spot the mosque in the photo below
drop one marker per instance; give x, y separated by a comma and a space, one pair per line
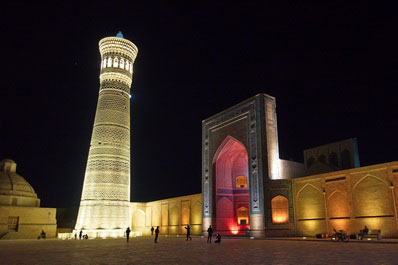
246, 188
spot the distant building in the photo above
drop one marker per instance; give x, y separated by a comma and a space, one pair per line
20, 212
332, 157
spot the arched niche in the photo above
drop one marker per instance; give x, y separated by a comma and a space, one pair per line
225, 213
115, 62
196, 212
138, 218
333, 160
310, 203
372, 197
243, 216
322, 159
310, 161
241, 182
345, 159
174, 216
280, 210
338, 205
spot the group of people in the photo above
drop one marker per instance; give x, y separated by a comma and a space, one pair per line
81, 235
188, 228
361, 234
210, 234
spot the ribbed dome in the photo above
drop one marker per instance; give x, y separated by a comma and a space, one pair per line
14, 189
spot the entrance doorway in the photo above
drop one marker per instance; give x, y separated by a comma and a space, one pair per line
230, 168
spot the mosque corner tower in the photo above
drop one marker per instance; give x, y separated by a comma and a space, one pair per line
105, 203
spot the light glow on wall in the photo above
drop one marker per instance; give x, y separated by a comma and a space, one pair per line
280, 210
272, 139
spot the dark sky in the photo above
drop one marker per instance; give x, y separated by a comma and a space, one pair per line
332, 67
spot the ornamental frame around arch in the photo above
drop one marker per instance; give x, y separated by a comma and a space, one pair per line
298, 194
303, 187
364, 177
331, 195
250, 109
355, 187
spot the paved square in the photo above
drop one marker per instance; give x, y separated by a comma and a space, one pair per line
142, 250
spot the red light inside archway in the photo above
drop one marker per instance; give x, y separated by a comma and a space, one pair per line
232, 188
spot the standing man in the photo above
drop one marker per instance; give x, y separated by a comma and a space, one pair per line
156, 234
188, 232
152, 231
128, 234
80, 234
210, 234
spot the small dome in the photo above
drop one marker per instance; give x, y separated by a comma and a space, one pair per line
14, 189
8, 160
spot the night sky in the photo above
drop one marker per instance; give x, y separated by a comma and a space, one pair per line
332, 67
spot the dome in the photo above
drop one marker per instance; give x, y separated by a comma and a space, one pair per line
14, 189
8, 160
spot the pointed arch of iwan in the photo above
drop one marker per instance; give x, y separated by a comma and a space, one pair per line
231, 187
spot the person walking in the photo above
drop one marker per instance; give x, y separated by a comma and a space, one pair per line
152, 229
128, 234
156, 234
80, 234
188, 232
210, 234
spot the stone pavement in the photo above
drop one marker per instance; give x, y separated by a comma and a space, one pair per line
364, 241
142, 250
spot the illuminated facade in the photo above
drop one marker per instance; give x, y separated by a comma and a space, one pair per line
245, 185
240, 152
105, 203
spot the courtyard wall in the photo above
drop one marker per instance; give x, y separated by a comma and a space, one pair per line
27, 222
171, 215
348, 200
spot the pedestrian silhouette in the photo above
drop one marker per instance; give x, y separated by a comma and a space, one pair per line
210, 234
156, 234
128, 234
188, 232
75, 236
80, 234
218, 238
152, 229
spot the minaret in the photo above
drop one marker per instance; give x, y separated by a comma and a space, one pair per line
105, 204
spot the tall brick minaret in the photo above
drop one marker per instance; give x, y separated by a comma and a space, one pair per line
105, 203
